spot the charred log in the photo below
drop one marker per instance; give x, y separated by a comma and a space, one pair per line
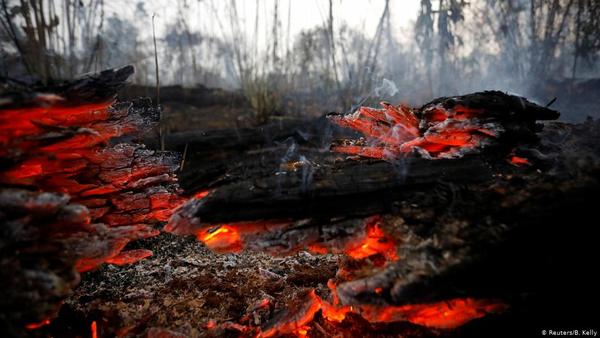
340, 190
72, 193
465, 228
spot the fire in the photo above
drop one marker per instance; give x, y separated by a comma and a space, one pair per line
396, 131
519, 161
210, 324
34, 326
94, 329
61, 148
296, 322
235, 237
376, 242
302, 331
223, 238
446, 314
128, 257
297, 319
232, 237
201, 194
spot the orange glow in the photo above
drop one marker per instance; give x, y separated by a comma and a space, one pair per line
441, 315
302, 331
263, 303
296, 323
201, 194
66, 150
20, 122
447, 314
34, 326
222, 238
128, 257
94, 330
519, 161
335, 313
376, 242
318, 249
371, 152
210, 324
26, 169
394, 131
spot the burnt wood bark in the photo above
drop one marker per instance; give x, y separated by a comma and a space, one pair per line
216, 157
527, 237
348, 189
90, 88
521, 235
73, 194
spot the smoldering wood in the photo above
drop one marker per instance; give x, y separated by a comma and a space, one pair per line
255, 184
526, 237
465, 227
94, 87
348, 189
47, 237
498, 105
520, 237
501, 235
213, 155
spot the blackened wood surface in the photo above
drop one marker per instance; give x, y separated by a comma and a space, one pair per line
351, 189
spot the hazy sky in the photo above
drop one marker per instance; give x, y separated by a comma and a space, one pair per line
211, 16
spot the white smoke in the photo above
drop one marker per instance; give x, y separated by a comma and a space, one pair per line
387, 89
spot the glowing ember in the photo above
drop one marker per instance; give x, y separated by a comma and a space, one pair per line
67, 152
94, 330
60, 148
301, 331
222, 238
519, 161
210, 324
296, 321
447, 314
201, 194
128, 257
376, 242
395, 131
34, 326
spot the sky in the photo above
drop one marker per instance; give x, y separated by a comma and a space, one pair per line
210, 16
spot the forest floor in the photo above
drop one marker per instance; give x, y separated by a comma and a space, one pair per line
184, 286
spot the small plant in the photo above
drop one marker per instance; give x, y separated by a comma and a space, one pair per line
264, 92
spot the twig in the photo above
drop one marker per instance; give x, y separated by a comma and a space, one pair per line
183, 157
160, 126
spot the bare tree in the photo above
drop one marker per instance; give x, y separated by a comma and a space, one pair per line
48, 47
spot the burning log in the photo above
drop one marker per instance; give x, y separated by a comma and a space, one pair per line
348, 189
424, 228
212, 154
292, 186
445, 127
462, 222
69, 200
474, 239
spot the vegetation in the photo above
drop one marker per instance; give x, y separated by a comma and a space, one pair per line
454, 46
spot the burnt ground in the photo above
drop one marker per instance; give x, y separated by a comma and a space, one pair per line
189, 290
184, 285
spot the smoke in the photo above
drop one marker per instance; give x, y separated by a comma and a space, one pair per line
307, 173
387, 89
290, 164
